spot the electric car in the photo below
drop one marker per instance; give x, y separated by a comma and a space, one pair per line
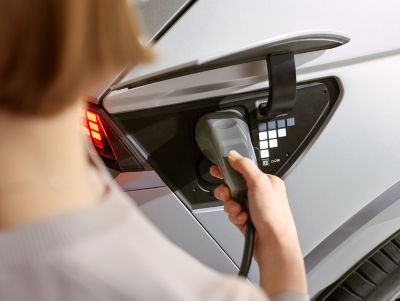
317, 83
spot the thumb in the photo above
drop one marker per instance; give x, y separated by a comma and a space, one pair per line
245, 166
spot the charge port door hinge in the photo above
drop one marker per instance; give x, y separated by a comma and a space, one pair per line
282, 85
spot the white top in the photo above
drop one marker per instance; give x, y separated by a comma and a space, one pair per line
109, 252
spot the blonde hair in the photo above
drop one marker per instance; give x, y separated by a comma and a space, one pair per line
52, 50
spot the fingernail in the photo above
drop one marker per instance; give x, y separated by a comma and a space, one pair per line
221, 196
218, 195
234, 154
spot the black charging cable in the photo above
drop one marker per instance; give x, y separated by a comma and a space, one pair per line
248, 248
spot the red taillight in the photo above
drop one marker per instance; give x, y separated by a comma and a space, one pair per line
93, 128
108, 140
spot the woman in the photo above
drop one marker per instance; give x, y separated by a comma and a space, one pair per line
67, 232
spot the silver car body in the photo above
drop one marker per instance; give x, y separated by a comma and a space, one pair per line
345, 188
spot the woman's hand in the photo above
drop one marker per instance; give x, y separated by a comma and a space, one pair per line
268, 203
276, 244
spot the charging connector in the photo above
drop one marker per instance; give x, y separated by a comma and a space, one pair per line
216, 134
